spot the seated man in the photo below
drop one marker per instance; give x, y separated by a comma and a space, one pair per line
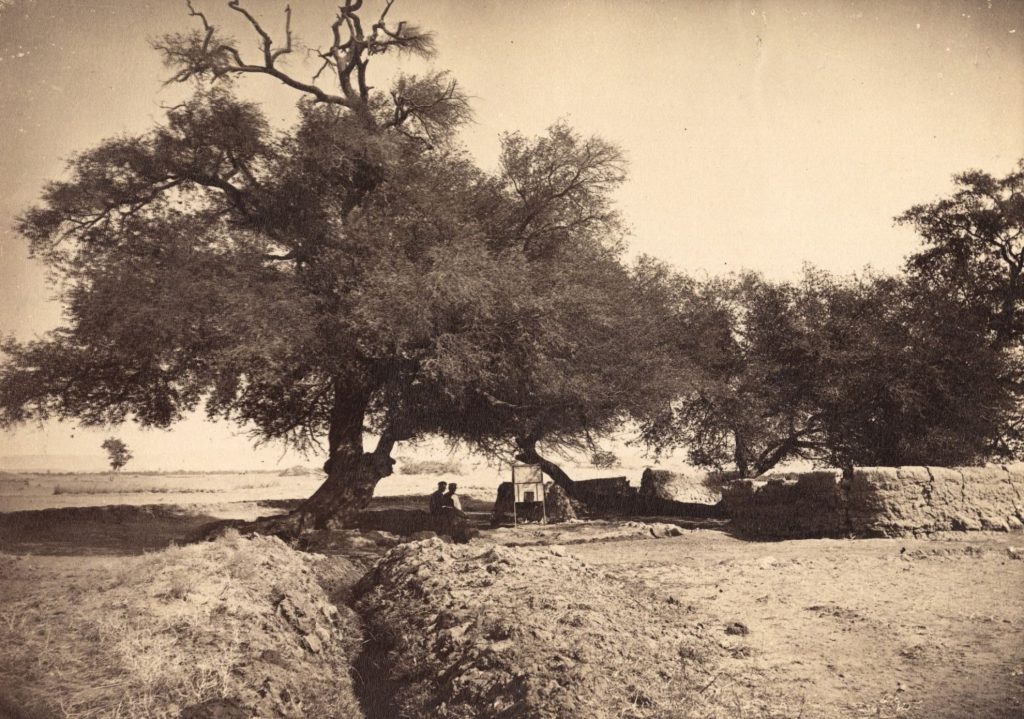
452, 500
456, 523
437, 500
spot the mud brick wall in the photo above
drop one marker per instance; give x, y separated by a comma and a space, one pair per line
691, 487
803, 504
607, 494
879, 501
892, 501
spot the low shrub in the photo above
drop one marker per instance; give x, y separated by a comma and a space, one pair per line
431, 467
604, 460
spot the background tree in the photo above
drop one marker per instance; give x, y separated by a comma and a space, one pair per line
974, 248
604, 459
872, 370
354, 273
974, 255
570, 354
117, 453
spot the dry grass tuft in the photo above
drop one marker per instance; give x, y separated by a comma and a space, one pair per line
148, 636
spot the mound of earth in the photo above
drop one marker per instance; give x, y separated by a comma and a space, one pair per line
486, 631
240, 627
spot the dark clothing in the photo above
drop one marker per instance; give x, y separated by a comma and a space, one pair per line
449, 519
437, 502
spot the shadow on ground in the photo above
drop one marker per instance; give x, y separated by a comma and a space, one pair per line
128, 530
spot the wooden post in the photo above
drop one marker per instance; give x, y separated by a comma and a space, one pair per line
543, 501
514, 518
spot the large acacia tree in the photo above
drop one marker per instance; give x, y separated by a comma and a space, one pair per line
354, 273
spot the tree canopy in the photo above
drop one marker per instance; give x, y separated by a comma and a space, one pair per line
354, 272
357, 272
839, 371
117, 453
974, 248
973, 253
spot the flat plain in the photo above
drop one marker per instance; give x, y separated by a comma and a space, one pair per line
911, 627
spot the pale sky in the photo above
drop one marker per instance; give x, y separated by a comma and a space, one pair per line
761, 135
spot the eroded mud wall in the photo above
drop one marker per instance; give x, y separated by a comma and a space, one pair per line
804, 504
879, 501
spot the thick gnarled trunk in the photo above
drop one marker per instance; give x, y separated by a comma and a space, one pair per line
351, 479
352, 473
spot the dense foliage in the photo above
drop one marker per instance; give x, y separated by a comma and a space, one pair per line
973, 254
117, 453
358, 273
355, 272
868, 371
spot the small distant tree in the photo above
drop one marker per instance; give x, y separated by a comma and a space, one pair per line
117, 452
604, 459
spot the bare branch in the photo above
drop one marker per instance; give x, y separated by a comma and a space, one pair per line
287, 33
268, 58
206, 25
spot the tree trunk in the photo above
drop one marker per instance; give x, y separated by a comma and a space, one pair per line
352, 474
528, 455
740, 456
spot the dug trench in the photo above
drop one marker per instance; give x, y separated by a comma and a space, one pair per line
586, 619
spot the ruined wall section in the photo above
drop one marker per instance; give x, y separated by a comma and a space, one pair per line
796, 504
879, 501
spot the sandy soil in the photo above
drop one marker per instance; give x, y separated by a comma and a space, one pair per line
853, 628
863, 628
19, 492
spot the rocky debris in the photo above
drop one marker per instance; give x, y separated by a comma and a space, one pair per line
737, 629
486, 631
581, 532
879, 501
426, 534
350, 542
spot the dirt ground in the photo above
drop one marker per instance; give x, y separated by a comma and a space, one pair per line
909, 628
862, 628
241, 626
